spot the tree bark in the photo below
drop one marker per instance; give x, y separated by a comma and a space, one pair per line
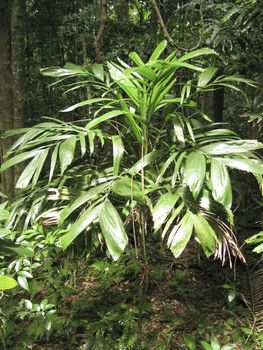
102, 19
18, 27
6, 95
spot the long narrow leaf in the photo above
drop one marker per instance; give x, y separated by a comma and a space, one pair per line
113, 230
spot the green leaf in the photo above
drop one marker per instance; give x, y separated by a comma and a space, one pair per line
196, 53
162, 208
19, 158
104, 117
81, 224
204, 233
91, 136
91, 194
236, 146
39, 166
113, 230
70, 69
165, 166
118, 150
205, 77
53, 161
129, 188
205, 345
194, 172
98, 71
82, 141
136, 59
86, 103
28, 173
10, 247
66, 153
250, 165
23, 282
180, 235
146, 160
7, 282
189, 342
220, 182
124, 82
158, 51
215, 344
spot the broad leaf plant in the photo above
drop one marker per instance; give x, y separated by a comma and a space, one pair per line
142, 160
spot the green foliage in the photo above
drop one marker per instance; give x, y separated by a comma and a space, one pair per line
133, 109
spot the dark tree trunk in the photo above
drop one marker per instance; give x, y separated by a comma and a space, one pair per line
218, 105
6, 97
18, 27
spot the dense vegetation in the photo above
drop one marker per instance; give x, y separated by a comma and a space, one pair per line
131, 157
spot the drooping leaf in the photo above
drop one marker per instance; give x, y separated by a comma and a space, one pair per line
220, 182
206, 76
113, 230
28, 173
194, 172
86, 103
163, 207
39, 166
197, 53
118, 150
7, 282
19, 158
82, 143
190, 342
91, 194
236, 146
66, 153
53, 161
103, 118
81, 224
250, 165
146, 160
98, 71
180, 235
204, 233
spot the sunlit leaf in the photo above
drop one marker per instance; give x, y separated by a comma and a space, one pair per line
118, 150
206, 76
163, 207
7, 282
129, 188
180, 235
113, 230
66, 153
81, 224
220, 182
194, 172
204, 233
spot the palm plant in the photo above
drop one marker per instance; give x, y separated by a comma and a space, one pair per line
146, 155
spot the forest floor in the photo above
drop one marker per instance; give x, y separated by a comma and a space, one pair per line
189, 302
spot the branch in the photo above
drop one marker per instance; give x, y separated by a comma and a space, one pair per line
168, 36
103, 18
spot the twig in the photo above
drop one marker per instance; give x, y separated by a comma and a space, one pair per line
168, 36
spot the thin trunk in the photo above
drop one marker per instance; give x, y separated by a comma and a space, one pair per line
18, 32
6, 115
123, 10
102, 18
218, 105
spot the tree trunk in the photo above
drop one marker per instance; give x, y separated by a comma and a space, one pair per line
123, 10
218, 105
6, 113
18, 27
